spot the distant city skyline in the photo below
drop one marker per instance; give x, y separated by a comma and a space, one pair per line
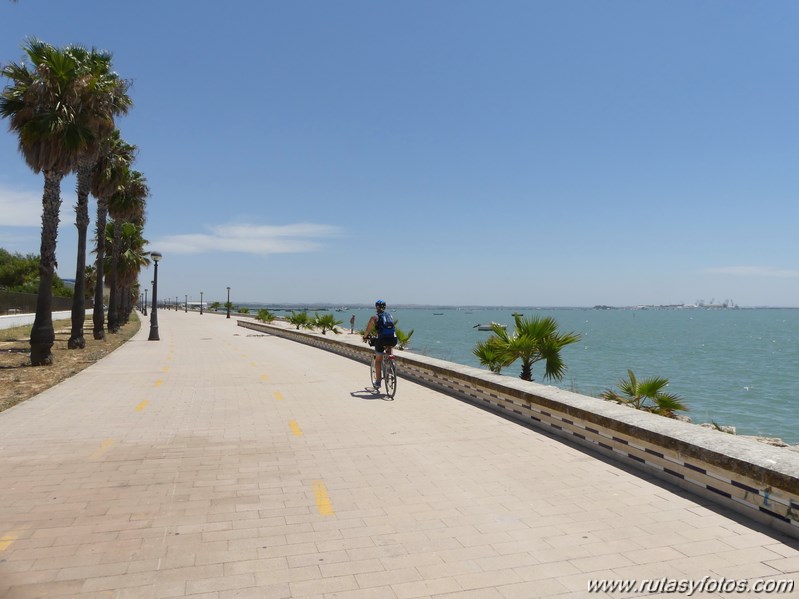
445, 153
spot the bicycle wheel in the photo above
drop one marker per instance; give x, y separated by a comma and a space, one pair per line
372, 370
390, 377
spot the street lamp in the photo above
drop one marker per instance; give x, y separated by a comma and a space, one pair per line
145, 303
228, 302
201, 303
177, 304
154, 313
186, 305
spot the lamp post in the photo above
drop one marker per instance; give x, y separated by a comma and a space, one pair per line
145, 303
228, 302
177, 303
201, 303
154, 313
186, 305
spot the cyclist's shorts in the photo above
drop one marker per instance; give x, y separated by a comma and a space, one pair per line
382, 343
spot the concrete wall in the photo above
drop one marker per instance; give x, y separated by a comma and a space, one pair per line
17, 320
757, 480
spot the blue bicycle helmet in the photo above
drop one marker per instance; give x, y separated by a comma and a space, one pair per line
380, 305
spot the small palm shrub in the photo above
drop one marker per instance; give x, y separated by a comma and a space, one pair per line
403, 339
647, 395
300, 320
265, 315
534, 339
326, 322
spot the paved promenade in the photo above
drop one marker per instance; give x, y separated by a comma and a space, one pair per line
222, 463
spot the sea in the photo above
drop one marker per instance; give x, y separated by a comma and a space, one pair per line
732, 366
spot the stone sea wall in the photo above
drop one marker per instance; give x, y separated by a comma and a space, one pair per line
754, 479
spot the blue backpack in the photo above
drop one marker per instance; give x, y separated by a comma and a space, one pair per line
385, 325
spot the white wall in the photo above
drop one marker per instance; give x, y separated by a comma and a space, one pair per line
18, 320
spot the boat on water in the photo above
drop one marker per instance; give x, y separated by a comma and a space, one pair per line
438, 314
489, 327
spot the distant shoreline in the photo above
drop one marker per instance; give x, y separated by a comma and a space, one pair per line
331, 306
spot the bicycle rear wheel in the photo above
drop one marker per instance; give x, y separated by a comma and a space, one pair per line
372, 370
390, 377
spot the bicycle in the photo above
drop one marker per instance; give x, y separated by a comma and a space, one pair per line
389, 369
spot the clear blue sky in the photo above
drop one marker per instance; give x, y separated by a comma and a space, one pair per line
559, 153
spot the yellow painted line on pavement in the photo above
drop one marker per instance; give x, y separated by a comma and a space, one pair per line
166, 368
102, 449
8, 539
278, 396
295, 428
323, 503
159, 382
142, 405
264, 378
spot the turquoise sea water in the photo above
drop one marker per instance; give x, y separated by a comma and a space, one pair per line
732, 367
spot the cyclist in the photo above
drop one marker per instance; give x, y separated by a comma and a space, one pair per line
383, 323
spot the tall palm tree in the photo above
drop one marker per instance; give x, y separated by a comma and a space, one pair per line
132, 258
108, 176
533, 339
105, 96
43, 105
648, 395
124, 206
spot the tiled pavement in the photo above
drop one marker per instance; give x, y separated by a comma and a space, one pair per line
219, 463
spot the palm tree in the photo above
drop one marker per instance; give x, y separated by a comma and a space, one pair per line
265, 315
647, 395
44, 106
489, 352
104, 98
534, 339
403, 339
124, 206
326, 322
108, 175
300, 319
132, 258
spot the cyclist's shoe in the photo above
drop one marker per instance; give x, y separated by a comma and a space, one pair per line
377, 385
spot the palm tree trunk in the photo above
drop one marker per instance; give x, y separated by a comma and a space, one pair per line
113, 301
98, 317
76, 340
42, 333
527, 371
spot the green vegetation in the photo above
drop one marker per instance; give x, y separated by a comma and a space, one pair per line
265, 315
647, 395
490, 354
533, 340
326, 322
300, 320
20, 274
403, 339
61, 103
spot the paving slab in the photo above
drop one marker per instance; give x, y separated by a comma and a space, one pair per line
222, 463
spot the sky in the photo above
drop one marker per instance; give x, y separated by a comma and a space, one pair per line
516, 153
